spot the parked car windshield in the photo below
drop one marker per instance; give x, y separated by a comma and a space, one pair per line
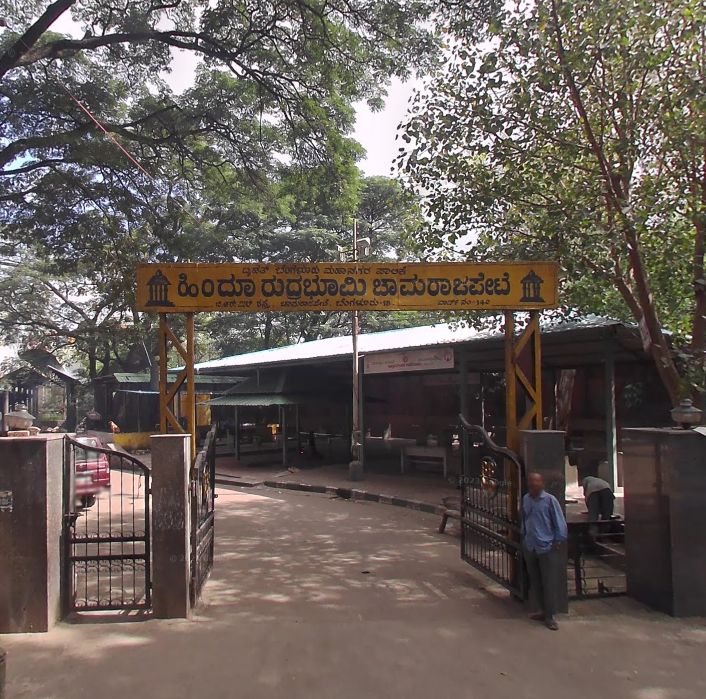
85, 455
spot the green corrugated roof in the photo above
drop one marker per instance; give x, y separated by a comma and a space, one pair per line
202, 380
132, 378
122, 377
261, 401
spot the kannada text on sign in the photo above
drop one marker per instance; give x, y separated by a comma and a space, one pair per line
187, 287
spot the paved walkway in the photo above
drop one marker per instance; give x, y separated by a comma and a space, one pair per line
318, 597
429, 487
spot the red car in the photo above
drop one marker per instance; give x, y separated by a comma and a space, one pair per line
92, 471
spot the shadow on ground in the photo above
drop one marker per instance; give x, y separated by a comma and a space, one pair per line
313, 596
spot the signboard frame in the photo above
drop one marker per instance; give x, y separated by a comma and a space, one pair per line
415, 286
438, 359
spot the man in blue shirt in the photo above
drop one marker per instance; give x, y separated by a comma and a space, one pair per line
543, 530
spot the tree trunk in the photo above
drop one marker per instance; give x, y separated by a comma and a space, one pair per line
92, 363
268, 330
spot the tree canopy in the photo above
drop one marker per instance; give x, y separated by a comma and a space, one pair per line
103, 165
576, 131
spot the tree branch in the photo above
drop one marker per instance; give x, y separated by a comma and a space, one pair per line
618, 198
14, 55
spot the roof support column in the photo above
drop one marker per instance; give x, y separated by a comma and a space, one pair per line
463, 381
611, 431
5, 408
299, 431
283, 432
236, 433
361, 409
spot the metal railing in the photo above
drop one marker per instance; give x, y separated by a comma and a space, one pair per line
491, 486
596, 559
203, 500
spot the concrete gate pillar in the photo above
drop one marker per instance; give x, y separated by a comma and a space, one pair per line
31, 532
664, 475
171, 574
543, 452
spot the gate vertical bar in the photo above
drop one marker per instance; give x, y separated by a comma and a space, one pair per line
70, 516
148, 541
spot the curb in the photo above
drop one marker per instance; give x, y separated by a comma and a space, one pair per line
239, 482
341, 492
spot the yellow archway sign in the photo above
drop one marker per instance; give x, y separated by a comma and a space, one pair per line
419, 286
453, 286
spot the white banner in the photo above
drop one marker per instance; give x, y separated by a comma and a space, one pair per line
418, 360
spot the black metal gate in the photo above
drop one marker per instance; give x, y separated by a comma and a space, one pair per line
203, 515
491, 491
107, 534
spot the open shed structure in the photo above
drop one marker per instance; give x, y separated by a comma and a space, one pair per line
45, 386
131, 401
596, 379
269, 405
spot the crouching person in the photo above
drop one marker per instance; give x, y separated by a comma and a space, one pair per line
600, 502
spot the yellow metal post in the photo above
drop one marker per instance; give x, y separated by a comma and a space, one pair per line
528, 341
162, 342
190, 388
512, 436
539, 416
530, 387
168, 395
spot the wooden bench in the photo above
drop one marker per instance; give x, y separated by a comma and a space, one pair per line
412, 455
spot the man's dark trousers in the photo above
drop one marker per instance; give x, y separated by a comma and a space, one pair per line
543, 573
600, 505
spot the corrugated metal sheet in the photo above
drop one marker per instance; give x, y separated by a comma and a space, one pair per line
269, 384
263, 401
388, 341
203, 380
131, 378
335, 347
198, 380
